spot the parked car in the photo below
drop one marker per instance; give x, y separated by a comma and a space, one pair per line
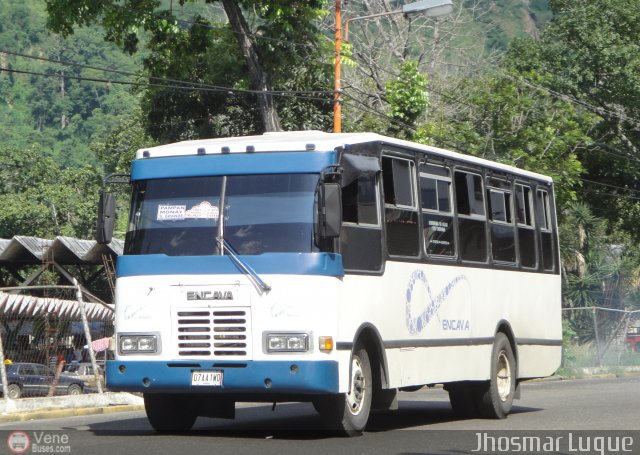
31, 379
83, 372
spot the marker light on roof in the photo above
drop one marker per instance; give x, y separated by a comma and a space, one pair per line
225, 149
201, 151
251, 148
146, 154
310, 147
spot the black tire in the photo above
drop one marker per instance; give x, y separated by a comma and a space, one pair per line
462, 397
348, 413
74, 389
495, 398
170, 413
14, 391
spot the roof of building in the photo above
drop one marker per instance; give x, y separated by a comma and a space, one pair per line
26, 250
31, 306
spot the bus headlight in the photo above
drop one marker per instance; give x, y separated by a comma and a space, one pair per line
138, 344
287, 342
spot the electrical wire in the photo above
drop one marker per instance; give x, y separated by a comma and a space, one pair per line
160, 79
176, 87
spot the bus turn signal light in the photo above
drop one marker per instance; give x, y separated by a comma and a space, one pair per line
325, 344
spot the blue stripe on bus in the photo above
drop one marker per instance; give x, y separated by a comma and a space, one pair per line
154, 376
323, 264
231, 164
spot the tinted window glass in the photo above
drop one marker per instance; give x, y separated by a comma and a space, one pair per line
429, 191
470, 202
527, 243
401, 215
403, 235
523, 205
263, 213
398, 181
444, 196
361, 248
503, 247
473, 240
439, 236
526, 230
543, 214
469, 194
498, 206
359, 202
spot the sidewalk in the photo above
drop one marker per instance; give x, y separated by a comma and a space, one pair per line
25, 409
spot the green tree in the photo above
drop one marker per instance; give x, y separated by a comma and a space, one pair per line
41, 198
600, 270
509, 122
279, 51
50, 106
407, 98
589, 54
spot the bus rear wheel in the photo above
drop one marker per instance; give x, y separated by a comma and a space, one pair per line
348, 413
495, 398
170, 413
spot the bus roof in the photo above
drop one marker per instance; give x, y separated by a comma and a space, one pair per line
311, 141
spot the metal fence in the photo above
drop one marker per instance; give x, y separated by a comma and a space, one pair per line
599, 336
52, 345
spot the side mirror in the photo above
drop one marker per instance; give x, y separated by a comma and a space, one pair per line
329, 210
106, 218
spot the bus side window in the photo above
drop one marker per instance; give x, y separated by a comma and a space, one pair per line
361, 233
503, 248
526, 227
471, 216
437, 216
543, 215
401, 208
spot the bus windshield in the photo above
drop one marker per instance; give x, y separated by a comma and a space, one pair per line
261, 214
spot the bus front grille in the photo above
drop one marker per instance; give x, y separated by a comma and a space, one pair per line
213, 333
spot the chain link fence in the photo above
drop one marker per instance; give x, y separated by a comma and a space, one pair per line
597, 337
52, 345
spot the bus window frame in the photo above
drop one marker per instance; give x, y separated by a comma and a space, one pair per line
410, 156
503, 187
481, 172
530, 227
548, 228
430, 161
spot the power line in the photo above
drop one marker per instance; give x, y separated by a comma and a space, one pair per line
177, 87
573, 100
190, 84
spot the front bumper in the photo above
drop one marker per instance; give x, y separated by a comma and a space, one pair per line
255, 377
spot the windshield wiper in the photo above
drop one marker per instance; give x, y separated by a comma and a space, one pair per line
224, 245
253, 275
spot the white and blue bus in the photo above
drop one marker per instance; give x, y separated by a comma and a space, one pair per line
335, 269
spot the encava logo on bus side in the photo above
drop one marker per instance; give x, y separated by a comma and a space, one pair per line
417, 324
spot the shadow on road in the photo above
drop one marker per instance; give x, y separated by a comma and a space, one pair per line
294, 421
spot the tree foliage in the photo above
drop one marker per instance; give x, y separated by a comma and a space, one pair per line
50, 107
39, 197
408, 99
589, 54
509, 122
279, 50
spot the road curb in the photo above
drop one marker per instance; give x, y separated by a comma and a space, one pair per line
68, 412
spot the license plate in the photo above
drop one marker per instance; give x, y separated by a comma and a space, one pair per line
210, 378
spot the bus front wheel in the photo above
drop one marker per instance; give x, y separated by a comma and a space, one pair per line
348, 412
170, 413
495, 399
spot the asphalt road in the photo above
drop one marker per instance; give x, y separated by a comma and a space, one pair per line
561, 410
